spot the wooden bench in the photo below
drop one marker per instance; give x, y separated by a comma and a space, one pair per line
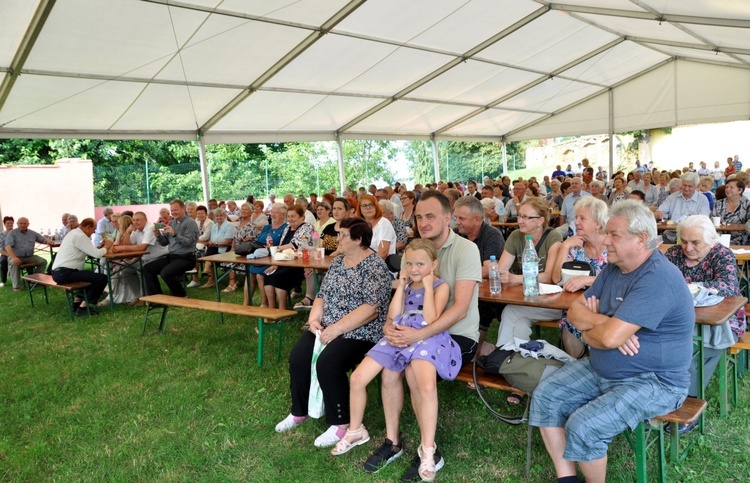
70, 289
640, 440
267, 318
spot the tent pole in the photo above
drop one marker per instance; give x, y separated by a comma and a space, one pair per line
611, 132
435, 158
204, 169
342, 174
505, 159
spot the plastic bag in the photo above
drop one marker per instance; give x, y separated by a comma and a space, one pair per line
315, 406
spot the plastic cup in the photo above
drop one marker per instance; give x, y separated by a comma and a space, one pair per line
716, 220
273, 250
724, 240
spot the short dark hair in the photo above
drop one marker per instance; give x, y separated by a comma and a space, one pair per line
6, 218
738, 182
640, 194
444, 201
343, 201
299, 209
202, 208
88, 223
177, 201
359, 229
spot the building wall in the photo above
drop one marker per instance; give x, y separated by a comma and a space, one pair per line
42, 193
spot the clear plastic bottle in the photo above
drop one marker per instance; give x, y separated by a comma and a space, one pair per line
494, 275
57, 236
530, 265
269, 241
316, 245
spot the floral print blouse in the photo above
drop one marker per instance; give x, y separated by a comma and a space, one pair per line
718, 271
579, 255
740, 215
345, 289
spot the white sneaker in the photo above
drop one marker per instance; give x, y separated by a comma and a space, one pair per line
287, 424
194, 283
328, 438
2, 284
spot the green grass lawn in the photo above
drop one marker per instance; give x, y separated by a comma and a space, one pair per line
93, 400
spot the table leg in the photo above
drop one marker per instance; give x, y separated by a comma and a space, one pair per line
109, 286
215, 266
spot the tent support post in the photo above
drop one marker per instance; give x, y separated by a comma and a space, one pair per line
204, 168
611, 132
342, 174
505, 159
435, 158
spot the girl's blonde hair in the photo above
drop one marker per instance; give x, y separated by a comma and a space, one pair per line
429, 247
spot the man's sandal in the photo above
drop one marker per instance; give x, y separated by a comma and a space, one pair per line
514, 399
350, 440
427, 462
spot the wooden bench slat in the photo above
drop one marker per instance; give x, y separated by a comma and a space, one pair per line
690, 411
742, 344
486, 379
224, 307
47, 281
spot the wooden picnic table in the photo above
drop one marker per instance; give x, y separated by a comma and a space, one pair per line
125, 261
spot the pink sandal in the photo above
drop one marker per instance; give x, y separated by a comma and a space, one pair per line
427, 462
348, 441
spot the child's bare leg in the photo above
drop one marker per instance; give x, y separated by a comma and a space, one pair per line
367, 370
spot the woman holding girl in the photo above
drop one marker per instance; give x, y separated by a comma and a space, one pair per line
420, 298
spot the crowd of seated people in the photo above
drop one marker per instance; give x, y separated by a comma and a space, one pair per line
606, 222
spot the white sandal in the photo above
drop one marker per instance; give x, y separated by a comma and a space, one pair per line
427, 462
345, 444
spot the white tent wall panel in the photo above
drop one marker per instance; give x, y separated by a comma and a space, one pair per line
711, 93
618, 63
16, 15
697, 8
46, 102
437, 24
493, 122
167, 105
267, 111
411, 117
550, 42
633, 27
474, 82
124, 38
589, 117
647, 101
309, 12
229, 48
337, 63
550, 96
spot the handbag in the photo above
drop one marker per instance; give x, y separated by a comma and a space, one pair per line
248, 247
575, 268
521, 372
315, 405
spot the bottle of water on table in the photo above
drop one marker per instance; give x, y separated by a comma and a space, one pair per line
530, 265
494, 276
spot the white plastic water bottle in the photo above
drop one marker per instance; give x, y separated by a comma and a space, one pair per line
494, 275
530, 265
316, 245
57, 236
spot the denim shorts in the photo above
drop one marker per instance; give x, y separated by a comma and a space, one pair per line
593, 410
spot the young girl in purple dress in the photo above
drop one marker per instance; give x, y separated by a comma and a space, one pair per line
419, 300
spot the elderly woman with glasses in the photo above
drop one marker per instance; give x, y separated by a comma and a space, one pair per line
515, 321
704, 261
349, 313
383, 235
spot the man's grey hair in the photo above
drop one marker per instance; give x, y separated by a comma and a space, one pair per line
706, 226
474, 205
674, 182
597, 183
640, 219
107, 211
691, 178
301, 200
72, 217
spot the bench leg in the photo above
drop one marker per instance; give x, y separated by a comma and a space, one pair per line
163, 320
641, 470
30, 288
723, 389
261, 339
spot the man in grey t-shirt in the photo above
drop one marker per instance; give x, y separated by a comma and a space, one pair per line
19, 245
640, 351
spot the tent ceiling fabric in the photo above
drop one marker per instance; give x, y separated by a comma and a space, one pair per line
292, 70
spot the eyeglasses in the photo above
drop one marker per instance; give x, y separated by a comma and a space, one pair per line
367, 205
343, 235
525, 217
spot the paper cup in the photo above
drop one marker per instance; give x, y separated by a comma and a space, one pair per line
716, 220
321, 253
273, 250
724, 240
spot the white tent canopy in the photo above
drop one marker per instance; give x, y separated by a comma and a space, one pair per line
296, 70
